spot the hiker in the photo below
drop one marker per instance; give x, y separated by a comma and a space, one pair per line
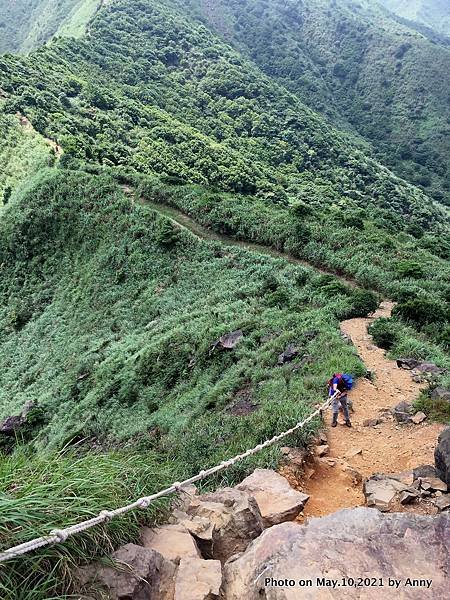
338, 386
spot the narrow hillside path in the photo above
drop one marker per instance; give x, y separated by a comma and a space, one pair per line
180, 219
387, 447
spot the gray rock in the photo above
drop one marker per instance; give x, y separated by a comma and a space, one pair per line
347, 339
136, 574
322, 450
339, 545
442, 456
371, 422
11, 425
228, 341
407, 363
424, 471
402, 412
235, 520
433, 484
407, 497
442, 502
418, 418
427, 367
380, 491
440, 393
288, 355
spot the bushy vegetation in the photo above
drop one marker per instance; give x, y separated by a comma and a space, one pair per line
27, 24
432, 13
358, 66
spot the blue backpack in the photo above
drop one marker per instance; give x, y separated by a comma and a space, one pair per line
346, 379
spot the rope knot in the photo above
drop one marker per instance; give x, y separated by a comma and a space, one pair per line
60, 534
144, 503
106, 514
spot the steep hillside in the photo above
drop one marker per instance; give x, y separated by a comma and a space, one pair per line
152, 92
142, 352
363, 70
26, 24
432, 13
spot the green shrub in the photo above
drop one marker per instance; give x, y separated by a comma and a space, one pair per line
364, 302
384, 332
422, 311
410, 268
438, 410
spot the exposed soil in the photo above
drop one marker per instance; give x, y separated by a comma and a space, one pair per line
385, 448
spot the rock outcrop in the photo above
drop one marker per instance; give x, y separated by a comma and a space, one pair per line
11, 425
403, 412
136, 573
198, 579
173, 542
277, 500
441, 393
442, 456
234, 518
383, 491
349, 543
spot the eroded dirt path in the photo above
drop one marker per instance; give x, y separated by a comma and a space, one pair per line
387, 447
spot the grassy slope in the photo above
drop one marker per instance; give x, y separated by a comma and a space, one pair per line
107, 317
432, 13
357, 66
30, 24
23, 152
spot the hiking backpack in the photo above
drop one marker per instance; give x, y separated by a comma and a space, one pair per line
345, 378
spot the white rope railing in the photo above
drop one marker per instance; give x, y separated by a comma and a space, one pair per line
60, 535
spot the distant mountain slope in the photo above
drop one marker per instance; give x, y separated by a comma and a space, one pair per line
362, 69
432, 13
27, 24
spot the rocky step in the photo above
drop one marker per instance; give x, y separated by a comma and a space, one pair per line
183, 560
309, 561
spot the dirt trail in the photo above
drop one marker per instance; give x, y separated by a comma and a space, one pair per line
386, 448
182, 220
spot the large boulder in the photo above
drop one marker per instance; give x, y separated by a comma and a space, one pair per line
174, 542
277, 501
11, 425
442, 456
198, 579
229, 340
429, 368
235, 520
351, 543
137, 573
288, 355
